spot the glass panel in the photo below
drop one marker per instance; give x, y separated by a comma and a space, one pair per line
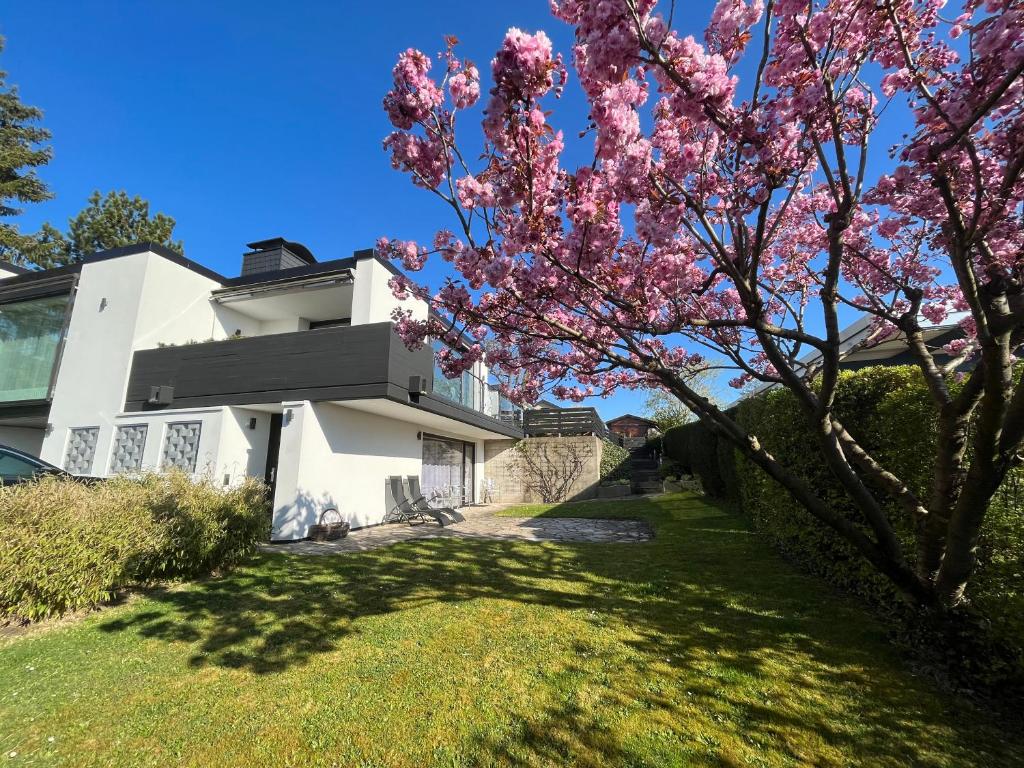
30, 333
450, 389
442, 467
15, 466
468, 468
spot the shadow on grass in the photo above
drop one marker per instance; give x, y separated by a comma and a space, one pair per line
728, 637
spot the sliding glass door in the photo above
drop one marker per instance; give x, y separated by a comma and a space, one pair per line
448, 469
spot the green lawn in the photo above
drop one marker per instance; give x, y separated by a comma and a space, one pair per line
699, 648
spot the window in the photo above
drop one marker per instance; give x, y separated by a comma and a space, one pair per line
341, 322
12, 466
129, 445
81, 450
181, 445
448, 467
30, 335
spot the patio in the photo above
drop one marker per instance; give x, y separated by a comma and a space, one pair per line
481, 522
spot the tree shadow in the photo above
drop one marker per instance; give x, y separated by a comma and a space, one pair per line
723, 637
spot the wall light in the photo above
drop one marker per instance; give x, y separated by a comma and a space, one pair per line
252, 423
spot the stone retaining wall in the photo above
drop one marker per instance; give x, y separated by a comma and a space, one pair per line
503, 465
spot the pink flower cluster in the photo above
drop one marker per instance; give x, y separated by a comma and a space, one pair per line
707, 218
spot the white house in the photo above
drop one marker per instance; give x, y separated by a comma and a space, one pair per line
138, 358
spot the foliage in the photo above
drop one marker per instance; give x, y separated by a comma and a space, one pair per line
665, 410
735, 200
65, 545
615, 463
890, 412
22, 151
695, 448
107, 222
549, 467
698, 648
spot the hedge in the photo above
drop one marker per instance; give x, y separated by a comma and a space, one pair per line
615, 464
888, 409
694, 447
66, 546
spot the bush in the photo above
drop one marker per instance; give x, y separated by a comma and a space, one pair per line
889, 411
66, 546
615, 465
694, 447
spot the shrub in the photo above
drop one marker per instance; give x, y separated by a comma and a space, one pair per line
889, 411
615, 465
695, 447
66, 546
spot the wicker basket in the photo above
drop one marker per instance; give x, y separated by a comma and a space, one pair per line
329, 529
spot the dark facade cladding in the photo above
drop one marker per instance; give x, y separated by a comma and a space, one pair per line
340, 363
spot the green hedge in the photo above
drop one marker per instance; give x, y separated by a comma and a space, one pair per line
889, 411
615, 465
695, 448
66, 546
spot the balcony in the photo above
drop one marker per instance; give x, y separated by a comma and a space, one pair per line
327, 364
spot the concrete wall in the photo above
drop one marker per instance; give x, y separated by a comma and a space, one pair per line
122, 305
503, 466
340, 457
372, 300
25, 439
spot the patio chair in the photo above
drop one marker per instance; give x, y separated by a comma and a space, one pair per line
420, 502
400, 509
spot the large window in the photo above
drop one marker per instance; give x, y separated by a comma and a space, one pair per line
30, 334
448, 469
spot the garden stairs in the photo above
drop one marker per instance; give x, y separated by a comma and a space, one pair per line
643, 465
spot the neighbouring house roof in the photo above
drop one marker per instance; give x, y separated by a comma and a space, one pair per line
630, 417
856, 350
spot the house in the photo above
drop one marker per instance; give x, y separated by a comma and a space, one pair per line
859, 349
630, 426
138, 358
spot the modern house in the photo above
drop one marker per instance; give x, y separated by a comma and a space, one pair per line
138, 358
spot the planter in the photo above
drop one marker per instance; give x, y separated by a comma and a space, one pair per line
613, 491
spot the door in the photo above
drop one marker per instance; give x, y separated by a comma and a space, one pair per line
273, 451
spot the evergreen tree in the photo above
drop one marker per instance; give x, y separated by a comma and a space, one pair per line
112, 221
22, 151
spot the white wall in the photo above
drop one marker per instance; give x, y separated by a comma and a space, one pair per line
25, 439
372, 301
122, 305
242, 451
340, 457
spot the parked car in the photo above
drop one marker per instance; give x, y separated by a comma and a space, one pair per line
20, 467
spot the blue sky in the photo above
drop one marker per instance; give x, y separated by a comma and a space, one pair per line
250, 120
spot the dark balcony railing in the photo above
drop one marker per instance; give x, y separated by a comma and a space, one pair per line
545, 422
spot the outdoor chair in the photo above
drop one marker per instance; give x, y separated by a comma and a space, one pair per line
420, 502
400, 509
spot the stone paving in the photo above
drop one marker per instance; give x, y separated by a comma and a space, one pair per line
480, 523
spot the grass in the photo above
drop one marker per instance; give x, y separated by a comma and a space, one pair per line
699, 648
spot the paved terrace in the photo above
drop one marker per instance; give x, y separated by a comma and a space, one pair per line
480, 523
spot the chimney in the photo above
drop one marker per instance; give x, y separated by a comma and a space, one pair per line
273, 255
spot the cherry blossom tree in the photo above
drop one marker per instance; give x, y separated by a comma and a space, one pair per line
728, 223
